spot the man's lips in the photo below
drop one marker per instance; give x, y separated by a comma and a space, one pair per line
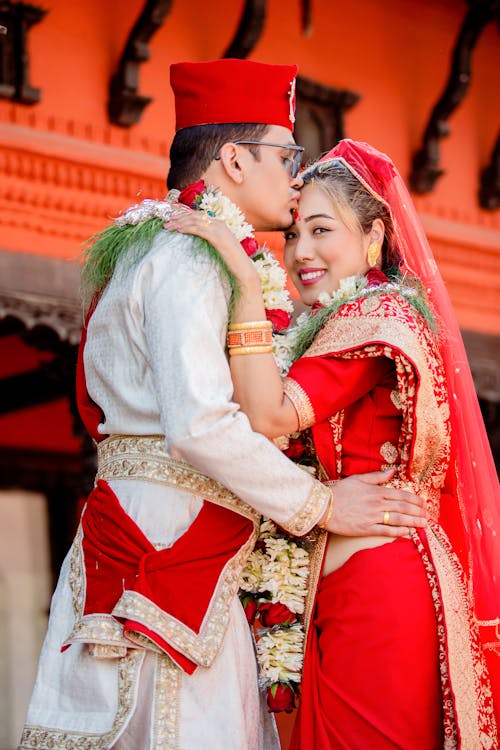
310, 276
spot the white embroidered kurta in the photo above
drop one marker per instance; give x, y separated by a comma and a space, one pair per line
155, 363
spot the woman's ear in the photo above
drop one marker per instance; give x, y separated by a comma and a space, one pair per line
373, 241
228, 157
377, 232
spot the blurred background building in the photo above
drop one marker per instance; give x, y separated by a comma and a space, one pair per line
86, 119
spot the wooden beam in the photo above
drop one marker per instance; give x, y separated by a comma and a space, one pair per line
489, 189
249, 29
426, 169
126, 105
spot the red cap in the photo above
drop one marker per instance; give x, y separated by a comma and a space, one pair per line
228, 90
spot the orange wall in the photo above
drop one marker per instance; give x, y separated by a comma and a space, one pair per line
64, 171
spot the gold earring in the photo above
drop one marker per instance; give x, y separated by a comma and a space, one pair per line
373, 254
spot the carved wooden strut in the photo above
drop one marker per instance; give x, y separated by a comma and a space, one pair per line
426, 170
126, 105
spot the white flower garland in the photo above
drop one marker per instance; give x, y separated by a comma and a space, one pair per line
272, 277
277, 572
278, 568
217, 205
350, 289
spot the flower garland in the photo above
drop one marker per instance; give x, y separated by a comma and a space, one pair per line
273, 590
212, 202
133, 232
273, 585
294, 342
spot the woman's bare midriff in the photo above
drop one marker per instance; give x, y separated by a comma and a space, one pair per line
341, 548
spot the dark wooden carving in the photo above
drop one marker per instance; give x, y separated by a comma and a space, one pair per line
16, 19
489, 190
425, 167
306, 13
320, 116
126, 105
249, 30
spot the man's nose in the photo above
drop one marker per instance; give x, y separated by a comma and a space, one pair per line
297, 182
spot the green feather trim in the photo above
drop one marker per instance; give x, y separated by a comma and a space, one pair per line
409, 287
103, 251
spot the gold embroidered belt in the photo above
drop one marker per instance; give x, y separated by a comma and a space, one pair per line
143, 457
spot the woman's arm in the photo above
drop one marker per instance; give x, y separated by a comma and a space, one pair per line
258, 386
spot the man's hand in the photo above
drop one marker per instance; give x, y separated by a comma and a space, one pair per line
362, 507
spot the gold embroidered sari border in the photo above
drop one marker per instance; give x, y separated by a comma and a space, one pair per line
301, 403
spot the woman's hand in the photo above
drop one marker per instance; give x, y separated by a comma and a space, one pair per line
218, 234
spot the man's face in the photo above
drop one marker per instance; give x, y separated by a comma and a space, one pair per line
269, 194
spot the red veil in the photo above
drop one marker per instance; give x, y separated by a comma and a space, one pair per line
474, 520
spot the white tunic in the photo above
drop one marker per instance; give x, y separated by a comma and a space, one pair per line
155, 363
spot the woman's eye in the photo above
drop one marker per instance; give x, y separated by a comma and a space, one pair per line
290, 236
320, 230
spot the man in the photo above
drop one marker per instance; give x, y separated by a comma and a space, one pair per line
156, 651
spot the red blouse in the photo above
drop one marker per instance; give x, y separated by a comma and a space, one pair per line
353, 408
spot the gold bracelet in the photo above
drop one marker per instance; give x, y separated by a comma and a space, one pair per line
250, 337
250, 350
250, 324
329, 511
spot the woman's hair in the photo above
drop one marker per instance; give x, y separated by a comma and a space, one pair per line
356, 206
193, 149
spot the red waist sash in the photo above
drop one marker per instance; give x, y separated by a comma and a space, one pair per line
169, 590
179, 597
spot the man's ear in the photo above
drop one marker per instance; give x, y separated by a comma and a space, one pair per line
230, 164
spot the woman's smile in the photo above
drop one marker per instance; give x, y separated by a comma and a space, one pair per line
309, 276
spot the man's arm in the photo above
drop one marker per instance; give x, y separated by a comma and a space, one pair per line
185, 308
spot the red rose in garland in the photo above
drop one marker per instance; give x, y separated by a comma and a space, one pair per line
375, 277
281, 697
279, 318
250, 606
250, 246
275, 613
191, 192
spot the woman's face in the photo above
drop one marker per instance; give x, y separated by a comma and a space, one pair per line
320, 249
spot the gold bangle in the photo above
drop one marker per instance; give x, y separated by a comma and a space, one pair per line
250, 324
250, 337
329, 511
250, 350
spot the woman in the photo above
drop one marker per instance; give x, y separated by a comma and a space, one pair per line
394, 655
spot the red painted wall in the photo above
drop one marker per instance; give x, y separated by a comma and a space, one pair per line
64, 171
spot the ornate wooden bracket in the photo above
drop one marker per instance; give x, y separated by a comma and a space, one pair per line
489, 190
126, 105
426, 170
15, 21
320, 115
249, 30
306, 13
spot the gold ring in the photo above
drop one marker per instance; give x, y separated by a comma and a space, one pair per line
386, 517
206, 219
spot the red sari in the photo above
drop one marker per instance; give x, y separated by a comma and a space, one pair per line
393, 658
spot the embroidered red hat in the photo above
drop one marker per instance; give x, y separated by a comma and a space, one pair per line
226, 90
